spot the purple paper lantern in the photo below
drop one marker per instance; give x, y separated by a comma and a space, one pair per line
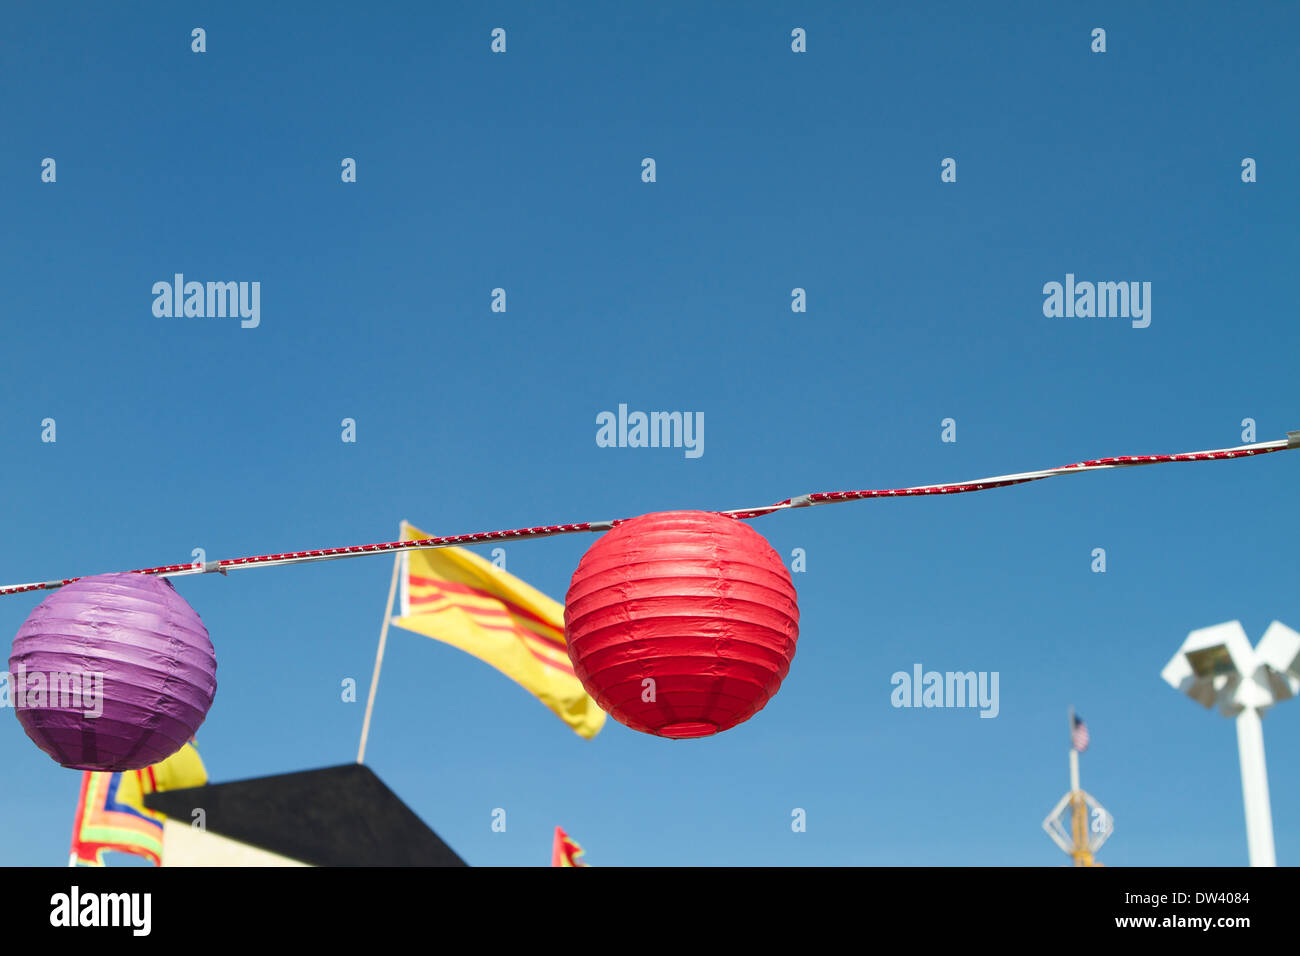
112, 672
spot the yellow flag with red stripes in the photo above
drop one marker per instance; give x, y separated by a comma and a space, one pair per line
457, 597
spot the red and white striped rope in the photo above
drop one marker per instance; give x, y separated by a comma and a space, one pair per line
820, 498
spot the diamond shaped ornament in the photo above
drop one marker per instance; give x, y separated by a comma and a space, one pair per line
1060, 823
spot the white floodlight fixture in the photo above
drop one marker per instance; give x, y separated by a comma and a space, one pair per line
1217, 665
1214, 666
1278, 654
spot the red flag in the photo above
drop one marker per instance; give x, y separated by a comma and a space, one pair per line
564, 852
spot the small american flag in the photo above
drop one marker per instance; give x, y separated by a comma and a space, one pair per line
1078, 734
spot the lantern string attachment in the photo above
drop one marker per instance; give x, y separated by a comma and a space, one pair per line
801, 501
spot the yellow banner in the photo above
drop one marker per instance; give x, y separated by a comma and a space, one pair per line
459, 598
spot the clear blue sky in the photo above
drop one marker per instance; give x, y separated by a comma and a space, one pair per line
774, 171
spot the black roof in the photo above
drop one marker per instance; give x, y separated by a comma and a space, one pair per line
335, 816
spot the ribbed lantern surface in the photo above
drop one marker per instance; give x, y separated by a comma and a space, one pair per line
681, 623
132, 642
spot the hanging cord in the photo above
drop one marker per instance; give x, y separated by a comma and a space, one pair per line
802, 501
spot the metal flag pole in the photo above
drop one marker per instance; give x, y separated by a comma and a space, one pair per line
1068, 824
1078, 807
379, 655
1074, 754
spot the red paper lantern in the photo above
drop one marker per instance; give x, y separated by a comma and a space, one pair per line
681, 623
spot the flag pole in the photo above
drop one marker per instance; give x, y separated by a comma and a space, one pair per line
1078, 807
1074, 755
379, 656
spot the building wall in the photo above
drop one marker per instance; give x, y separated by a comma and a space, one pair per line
185, 845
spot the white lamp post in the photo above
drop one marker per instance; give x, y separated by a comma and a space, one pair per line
1217, 665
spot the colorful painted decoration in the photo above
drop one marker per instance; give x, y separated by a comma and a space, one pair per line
682, 623
113, 672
